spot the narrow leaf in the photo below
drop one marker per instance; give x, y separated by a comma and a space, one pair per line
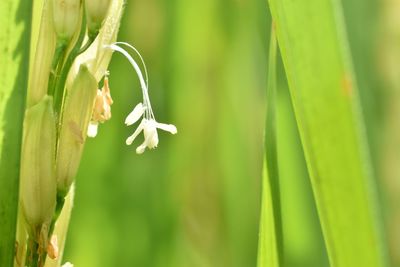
270, 239
325, 98
303, 243
14, 61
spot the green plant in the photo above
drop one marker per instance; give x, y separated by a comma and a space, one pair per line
324, 93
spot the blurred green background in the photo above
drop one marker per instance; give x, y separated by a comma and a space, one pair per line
194, 201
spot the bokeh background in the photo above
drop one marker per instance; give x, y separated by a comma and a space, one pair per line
195, 200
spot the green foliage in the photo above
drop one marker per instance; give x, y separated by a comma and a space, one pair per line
290, 233
270, 243
195, 200
325, 98
14, 56
303, 243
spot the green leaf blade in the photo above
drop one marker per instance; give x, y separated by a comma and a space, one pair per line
324, 95
270, 239
14, 56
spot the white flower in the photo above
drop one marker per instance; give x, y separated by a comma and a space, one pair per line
67, 264
148, 125
149, 128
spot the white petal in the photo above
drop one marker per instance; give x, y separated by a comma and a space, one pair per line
152, 140
136, 113
131, 138
167, 127
92, 129
140, 149
67, 264
150, 133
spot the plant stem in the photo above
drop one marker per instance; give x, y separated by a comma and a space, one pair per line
32, 256
59, 207
60, 85
56, 66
